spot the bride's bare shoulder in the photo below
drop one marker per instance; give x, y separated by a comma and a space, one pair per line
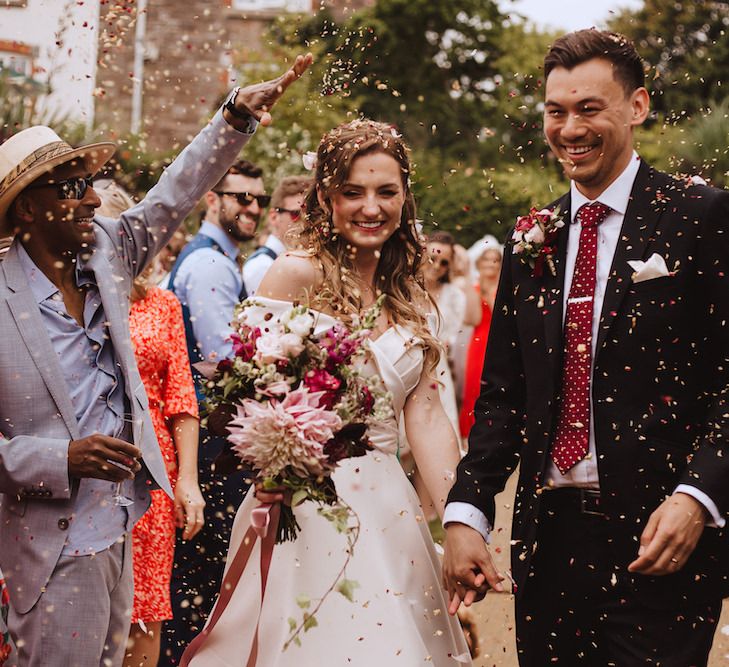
291, 277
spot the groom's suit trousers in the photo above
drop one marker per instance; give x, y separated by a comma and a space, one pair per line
578, 607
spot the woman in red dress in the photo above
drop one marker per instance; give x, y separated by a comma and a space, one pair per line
489, 267
158, 336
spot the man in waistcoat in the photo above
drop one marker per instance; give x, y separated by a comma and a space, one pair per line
286, 202
208, 282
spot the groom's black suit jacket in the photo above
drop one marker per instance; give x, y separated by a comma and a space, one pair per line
659, 385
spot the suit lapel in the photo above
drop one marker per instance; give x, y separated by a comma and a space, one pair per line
110, 286
553, 293
26, 314
643, 212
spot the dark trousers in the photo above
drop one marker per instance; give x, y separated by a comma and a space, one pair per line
199, 563
578, 608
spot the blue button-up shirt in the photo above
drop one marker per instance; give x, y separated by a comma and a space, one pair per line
96, 387
209, 284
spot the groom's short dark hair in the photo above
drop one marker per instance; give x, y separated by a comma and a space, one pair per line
580, 46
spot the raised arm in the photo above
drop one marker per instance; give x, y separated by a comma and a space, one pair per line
146, 228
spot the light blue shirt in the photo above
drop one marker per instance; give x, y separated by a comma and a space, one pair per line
209, 284
256, 267
96, 387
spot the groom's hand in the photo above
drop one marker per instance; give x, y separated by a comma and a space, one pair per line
468, 571
257, 99
670, 536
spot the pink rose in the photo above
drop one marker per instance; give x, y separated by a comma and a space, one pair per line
268, 348
524, 223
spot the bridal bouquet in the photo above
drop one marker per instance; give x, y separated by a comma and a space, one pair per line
296, 404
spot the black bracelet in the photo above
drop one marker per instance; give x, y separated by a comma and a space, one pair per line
230, 106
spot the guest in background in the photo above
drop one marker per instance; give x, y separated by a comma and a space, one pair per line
454, 311
167, 257
208, 281
489, 268
463, 275
158, 336
286, 202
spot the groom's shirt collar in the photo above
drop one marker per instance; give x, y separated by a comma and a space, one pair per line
616, 195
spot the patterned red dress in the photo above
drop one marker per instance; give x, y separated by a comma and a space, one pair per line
6, 644
158, 335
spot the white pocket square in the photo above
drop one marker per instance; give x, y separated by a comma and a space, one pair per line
655, 267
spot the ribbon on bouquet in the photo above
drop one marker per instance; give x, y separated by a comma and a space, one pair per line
264, 524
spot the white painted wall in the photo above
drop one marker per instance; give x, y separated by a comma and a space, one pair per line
71, 67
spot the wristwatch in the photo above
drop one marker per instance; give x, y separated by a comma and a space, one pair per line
229, 104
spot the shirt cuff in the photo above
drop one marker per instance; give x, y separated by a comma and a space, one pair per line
718, 521
469, 515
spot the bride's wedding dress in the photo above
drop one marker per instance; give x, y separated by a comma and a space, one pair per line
399, 614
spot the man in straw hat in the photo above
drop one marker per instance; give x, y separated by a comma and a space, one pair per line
78, 453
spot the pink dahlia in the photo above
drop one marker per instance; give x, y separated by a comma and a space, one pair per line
274, 435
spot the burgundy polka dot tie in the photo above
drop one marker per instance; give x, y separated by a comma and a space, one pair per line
571, 440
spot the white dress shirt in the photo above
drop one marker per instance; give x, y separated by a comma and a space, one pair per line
584, 474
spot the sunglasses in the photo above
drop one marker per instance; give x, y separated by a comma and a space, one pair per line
246, 198
295, 213
442, 262
70, 188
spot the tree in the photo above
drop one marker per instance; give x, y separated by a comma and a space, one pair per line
686, 44
427, 67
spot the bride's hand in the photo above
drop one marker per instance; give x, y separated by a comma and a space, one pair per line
278, 494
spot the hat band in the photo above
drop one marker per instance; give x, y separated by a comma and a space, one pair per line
43, 154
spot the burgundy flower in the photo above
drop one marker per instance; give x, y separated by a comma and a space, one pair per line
225, 365
349, 442
368, 400
339, 346
321, 380
244, 343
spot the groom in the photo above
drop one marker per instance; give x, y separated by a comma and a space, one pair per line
607, 381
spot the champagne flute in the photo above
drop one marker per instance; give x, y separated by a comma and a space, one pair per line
118, 497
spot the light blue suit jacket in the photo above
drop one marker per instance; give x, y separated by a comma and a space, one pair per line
37, 420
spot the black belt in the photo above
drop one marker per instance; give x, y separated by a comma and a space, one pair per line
583, 501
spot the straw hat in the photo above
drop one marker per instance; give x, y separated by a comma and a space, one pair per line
35, 151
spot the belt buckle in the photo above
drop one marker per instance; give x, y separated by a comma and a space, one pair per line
594, 495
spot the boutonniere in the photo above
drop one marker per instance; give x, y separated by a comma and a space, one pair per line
534, 239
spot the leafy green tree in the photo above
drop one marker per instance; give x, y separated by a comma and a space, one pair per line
686, 43
471, 202
705, 148
427, 67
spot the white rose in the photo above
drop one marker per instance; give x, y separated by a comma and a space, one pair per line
291, 344
534, 235
269, 348
300, 324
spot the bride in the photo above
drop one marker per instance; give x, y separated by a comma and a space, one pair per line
359, 241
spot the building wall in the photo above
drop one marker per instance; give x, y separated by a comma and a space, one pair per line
61, 36
188, 60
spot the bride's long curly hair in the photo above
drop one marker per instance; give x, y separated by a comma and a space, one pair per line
398, 270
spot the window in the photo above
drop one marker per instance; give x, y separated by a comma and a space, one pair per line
268, 5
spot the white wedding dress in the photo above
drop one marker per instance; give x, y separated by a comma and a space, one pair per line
399, 614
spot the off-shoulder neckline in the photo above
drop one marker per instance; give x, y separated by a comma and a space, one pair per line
392, 327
